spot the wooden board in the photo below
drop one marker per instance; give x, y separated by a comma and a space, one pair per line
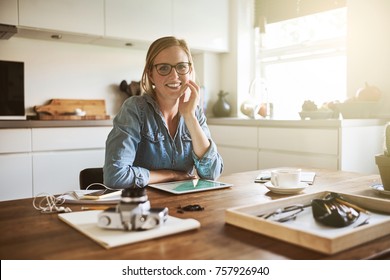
65, 109
306, 232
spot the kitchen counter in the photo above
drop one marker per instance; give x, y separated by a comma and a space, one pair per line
49, 123
330, 123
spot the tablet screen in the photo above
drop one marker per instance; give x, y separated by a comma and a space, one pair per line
188, 186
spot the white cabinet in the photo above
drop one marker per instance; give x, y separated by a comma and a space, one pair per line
304, 147
9, 12
61, 153
138, 19
47, 160
58, 172
348, 145
75, 16
237, 146
15, 164
203, 23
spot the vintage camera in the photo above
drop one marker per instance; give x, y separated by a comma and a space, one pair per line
133, 212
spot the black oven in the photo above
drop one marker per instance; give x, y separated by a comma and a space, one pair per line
12, 90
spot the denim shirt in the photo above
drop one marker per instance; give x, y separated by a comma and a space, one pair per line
140, 142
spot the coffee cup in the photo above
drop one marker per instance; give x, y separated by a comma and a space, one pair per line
286, 178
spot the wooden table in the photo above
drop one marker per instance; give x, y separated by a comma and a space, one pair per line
28, 234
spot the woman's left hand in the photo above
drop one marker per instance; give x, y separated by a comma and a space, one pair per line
189, 101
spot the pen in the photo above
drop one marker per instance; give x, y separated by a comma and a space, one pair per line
94, 207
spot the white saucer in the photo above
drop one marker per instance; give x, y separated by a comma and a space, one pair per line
278, 190
379, 188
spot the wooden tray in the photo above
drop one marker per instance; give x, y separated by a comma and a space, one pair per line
64, 109
306, 232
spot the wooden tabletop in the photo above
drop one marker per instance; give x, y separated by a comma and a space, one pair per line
28, 234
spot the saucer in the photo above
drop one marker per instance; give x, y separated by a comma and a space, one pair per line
278, 190
379, 188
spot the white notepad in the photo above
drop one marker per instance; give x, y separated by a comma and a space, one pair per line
86, 223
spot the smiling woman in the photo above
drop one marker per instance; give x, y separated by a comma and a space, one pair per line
162, 135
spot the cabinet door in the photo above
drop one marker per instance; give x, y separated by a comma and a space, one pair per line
238, 159
15, 176
237, 145
9, 12
203, 24
138, 19
58, 172
272, 159
77, 16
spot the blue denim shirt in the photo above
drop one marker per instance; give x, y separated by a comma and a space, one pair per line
140, 141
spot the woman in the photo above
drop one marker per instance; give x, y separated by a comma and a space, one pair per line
162, 135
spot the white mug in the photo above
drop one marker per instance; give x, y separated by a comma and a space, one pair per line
286, 178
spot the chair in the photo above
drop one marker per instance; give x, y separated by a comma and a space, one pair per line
89, 176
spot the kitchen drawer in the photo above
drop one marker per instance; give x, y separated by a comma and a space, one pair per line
269, 159
236, 136
69, 138
307, 140
15, 140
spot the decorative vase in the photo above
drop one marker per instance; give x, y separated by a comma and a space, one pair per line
383, 160
222, 107
383, 163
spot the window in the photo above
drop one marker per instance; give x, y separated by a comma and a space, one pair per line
302, 59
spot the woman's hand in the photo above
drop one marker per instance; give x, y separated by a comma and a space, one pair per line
188, 102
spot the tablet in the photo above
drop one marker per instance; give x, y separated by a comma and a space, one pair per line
189, 186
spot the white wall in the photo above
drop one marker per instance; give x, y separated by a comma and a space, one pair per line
369, 46
68, 70
83, 71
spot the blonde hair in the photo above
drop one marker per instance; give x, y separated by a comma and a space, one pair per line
155, 48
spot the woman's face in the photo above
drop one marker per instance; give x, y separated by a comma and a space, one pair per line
172, 85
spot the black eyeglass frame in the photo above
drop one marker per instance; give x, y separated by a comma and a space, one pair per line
189, 64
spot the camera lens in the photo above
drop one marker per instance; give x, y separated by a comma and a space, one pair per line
134, 195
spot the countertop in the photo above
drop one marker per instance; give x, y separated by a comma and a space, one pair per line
211, 121
51, 123
297, 123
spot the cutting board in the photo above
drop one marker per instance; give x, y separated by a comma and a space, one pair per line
65, 109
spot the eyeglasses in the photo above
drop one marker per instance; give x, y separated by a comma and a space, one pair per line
279, 214
181, 68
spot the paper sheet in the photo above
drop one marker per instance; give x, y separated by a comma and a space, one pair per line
86, 223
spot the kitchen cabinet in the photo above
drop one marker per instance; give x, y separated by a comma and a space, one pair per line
237, 145
310, 147
74, 16
49, 159
138, 19
9, 12
195, 21
347, 145
15, 163
203, 23
61, 153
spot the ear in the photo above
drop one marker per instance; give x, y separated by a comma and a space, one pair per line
150, 75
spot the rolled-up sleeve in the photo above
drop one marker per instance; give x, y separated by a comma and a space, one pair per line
210, 166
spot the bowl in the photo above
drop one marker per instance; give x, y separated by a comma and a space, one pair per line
316, 115
358, 109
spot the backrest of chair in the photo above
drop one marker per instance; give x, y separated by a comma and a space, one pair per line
89, 176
